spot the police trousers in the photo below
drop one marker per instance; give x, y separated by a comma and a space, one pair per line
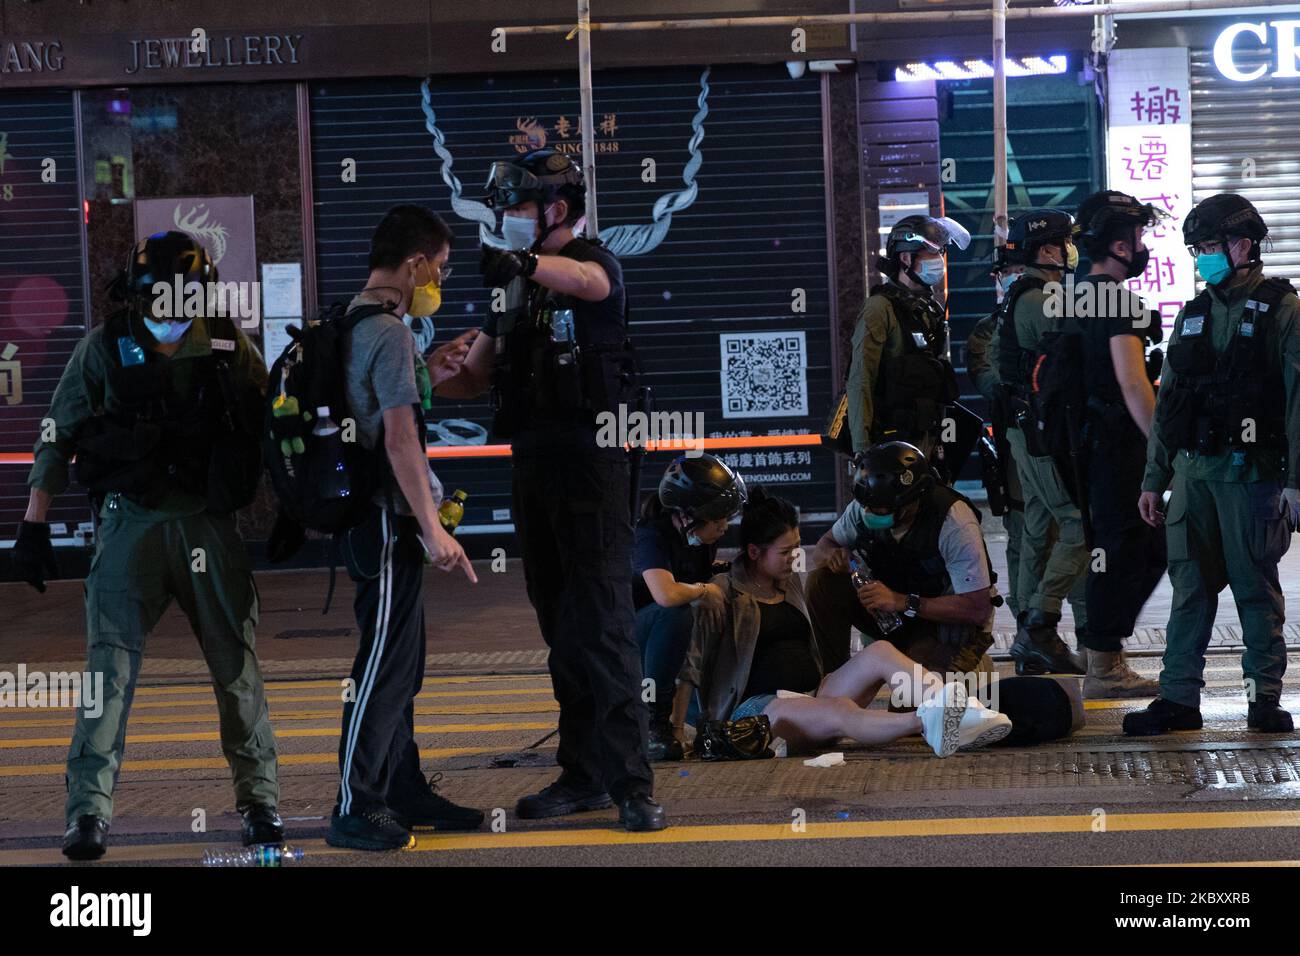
1224, 533
571, 515
143, 560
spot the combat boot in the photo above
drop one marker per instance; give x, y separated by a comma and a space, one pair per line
1267, 716
1109, 677
1038, 648
662, 743
1160, 717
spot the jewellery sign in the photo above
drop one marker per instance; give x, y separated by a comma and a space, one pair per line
1149, 150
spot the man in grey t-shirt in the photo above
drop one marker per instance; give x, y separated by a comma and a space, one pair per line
923, 543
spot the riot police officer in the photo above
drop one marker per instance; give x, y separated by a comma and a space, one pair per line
901, 380
921, 541
1227, 434
1049, 569
554, 362
163, 416
1116, 327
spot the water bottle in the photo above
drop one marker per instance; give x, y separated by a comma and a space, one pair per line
327, 445
266, 854
451, 512
887, 621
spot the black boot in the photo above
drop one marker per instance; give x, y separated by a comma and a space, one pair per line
1038, 649
1160, 717
662, 745
639, 813
562, 798
87, 839
261, 825
1268, 717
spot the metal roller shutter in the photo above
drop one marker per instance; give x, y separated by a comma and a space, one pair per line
42, 311
1234, 122
747, 230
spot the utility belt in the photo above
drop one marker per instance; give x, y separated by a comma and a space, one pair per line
1210, 424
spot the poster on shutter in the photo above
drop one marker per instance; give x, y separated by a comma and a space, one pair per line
1149, 150
764, 374
224, 226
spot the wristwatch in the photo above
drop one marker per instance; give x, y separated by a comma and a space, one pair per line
913, 605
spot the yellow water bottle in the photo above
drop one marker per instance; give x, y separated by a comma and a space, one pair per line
452, 510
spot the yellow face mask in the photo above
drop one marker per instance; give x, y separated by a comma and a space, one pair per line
427, 298
1072, 257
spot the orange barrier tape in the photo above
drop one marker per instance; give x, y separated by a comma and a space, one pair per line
503, 451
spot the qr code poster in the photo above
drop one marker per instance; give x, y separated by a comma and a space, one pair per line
764, 374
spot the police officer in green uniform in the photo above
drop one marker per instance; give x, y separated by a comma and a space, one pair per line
162, 415
555, 359
1049, 569
901, 381
1227, 434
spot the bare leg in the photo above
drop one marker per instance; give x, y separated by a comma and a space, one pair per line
808, 721
880, 663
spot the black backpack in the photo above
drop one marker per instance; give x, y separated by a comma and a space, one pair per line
1058, 390
323, 480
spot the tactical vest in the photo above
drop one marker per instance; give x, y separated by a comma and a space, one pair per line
912, 390
1215, 393
1015, 363
915, 564
543, 375
148, 439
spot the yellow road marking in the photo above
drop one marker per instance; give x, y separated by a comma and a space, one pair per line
761, 832
27, 742
429, 710
219, 763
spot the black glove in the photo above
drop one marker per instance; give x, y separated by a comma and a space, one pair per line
33, 555
499, 266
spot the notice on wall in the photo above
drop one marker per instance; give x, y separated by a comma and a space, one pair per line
1149, 147
281, 289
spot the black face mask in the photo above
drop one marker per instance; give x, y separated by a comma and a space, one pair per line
1137, 265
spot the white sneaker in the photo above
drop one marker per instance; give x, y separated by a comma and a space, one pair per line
980, 726
941, 719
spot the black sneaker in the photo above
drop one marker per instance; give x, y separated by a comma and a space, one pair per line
369, 830
640, 813
261, 825
435, 812
1161, 717
1268, 717
562, 798
87, 839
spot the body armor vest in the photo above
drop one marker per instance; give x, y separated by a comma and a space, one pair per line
912, 390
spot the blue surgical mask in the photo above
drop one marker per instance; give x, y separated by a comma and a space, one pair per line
518, 231
930, 271
1214, 268
879, 522
693, 540
167, 332
1007, 281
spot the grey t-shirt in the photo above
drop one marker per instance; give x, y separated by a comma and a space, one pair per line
379, 360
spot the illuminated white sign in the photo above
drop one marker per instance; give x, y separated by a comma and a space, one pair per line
1288, 59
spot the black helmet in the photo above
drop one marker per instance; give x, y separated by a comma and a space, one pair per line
1035, 228
1103, 210
890, 475
702, 489
161, 258
541, 176
1224, 216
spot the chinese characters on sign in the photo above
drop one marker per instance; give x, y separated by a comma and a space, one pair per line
1150, 156
531, 134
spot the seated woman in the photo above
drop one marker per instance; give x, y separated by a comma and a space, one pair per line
763, 643
676, 544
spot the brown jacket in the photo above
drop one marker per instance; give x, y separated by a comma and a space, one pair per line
718, 661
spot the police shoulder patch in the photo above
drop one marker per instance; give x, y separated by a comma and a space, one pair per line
223, 345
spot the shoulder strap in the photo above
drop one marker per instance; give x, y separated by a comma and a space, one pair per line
1272, 291
349, 320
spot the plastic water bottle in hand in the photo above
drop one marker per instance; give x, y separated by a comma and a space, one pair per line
887, 621
266, 854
